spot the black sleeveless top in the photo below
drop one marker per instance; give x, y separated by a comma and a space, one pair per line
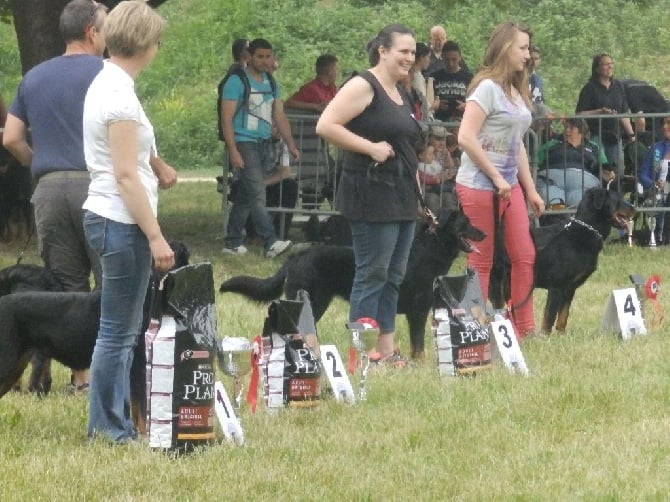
383, 193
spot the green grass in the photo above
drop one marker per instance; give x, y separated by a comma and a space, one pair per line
591, 422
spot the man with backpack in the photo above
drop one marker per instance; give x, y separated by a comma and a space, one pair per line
249, 104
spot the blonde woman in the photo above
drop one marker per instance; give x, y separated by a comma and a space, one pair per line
120, 220
494, 164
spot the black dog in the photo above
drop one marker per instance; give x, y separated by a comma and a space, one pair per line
61, 325
328, 271
334, 230
26, 277
567, 254
16, 188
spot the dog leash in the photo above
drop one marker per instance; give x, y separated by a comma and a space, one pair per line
428, 214
498, 243
25, 246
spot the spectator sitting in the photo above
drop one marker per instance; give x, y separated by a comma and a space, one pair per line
653, 175
241, 56
535, 84
603, 95
317, 93
438, 37
420, 83
570, 164
451, 84
436, 172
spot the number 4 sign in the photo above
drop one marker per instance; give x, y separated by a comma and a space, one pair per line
337, 374
508, 346
623, 314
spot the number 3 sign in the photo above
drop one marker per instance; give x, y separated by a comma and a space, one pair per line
508, 346
623, 314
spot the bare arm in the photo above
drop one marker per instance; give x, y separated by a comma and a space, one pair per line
123, 146
284, 127
349, 102
526, 181
304, 105
228, 109
15, 140
166, 174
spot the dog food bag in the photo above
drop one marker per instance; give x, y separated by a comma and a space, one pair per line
462, 340
180, 361
291, 370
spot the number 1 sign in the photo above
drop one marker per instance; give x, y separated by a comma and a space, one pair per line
623, 314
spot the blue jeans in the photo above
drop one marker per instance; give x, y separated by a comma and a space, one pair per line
250, 201
381, 251
126, 266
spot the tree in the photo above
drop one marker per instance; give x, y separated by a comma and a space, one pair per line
36, 26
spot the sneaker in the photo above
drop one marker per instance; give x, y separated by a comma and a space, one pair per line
277, 248
239, 250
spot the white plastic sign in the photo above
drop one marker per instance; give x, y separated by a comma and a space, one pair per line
337, 374
230, 425
623, 314
508, 346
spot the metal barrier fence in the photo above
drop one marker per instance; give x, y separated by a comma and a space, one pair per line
316, 172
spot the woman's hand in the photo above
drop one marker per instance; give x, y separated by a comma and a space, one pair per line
503, 189
162, 254
381, 152
536, 202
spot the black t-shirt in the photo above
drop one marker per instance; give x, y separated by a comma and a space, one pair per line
450, 88
594, 95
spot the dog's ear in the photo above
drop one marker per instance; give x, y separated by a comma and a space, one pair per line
599, 196
443, 217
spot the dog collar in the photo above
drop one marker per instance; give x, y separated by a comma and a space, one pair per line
584, 224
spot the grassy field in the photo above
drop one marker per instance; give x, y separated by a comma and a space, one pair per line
591, 422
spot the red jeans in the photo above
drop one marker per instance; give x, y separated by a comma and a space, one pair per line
478, 207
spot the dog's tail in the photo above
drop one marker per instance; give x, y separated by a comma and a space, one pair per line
255, 288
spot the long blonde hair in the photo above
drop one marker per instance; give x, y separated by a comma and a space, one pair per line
496, 65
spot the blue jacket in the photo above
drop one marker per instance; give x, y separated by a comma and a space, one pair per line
651, 166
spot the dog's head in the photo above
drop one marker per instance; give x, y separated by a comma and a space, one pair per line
454, 228
181, 254
609, 203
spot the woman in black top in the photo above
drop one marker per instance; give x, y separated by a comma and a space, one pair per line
605, 95
371, 119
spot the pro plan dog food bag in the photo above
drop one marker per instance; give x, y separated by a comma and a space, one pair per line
291, 370
181, 347
462, 340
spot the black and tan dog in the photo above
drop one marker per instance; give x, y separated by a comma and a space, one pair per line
63, 326
567, 254
27, 277
328, 271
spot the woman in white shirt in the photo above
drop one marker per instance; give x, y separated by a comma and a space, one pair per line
120, 219
494, 164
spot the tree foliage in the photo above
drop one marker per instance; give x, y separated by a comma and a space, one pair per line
179, 88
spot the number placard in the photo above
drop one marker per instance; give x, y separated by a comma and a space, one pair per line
508, 346
337, 374
623, 314
230, 425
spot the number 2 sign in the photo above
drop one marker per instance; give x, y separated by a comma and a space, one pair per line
337, 374
623, 314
